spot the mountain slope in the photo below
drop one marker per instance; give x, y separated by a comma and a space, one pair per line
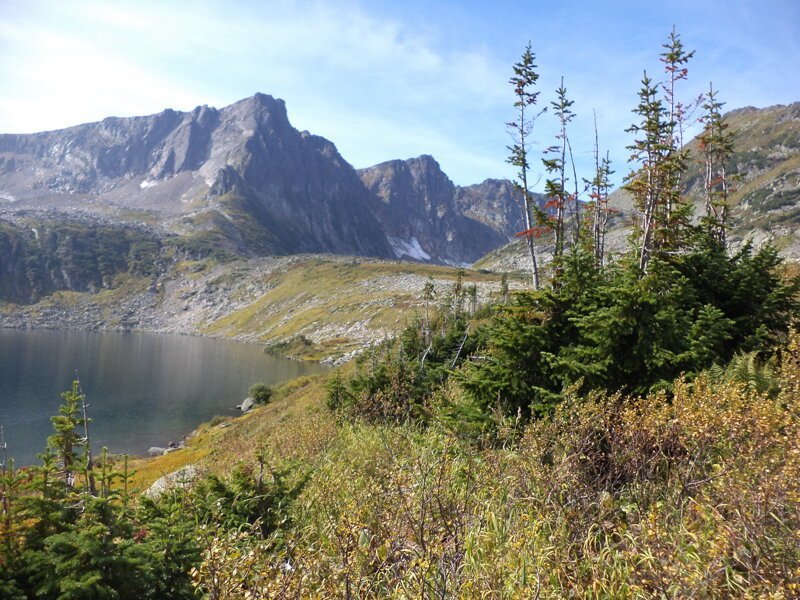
495, 202
417, 204
242, 180
242, 170
765, 203
766, 200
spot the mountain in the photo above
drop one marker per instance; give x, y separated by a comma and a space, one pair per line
243, 181
765, 199
766, 159
421, 215
242, 173
496, 203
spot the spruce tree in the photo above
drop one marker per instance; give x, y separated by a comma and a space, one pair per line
66, 440
599, 187
558, 199
11, 487
646, 181
677, 210
716, 146
523, 80
675, 58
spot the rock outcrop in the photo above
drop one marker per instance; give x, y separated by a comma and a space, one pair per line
416, 203
239, 180
496, 203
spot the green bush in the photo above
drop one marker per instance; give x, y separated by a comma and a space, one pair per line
619, 329
261, 393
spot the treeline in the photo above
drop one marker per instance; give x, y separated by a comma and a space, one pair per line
678, 302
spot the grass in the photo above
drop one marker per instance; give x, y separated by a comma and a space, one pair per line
320, 307
293, 425
695, 495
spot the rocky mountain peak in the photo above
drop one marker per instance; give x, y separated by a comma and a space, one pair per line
416, 203
495, 202
244, 172
259, 110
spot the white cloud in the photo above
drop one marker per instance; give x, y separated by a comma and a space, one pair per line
338, 67
380, 87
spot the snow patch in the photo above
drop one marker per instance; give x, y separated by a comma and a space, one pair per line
410, 248
35, 233
7, 197
148, 183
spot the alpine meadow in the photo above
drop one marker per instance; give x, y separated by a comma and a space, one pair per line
605, 405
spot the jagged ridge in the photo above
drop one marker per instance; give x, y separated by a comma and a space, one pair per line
245, 178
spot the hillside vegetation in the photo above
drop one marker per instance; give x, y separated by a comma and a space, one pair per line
624, 428
687, 494
308, 307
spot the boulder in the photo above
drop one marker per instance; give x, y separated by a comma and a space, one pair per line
181, 478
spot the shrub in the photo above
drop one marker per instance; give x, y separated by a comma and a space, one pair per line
619, 329
261, 393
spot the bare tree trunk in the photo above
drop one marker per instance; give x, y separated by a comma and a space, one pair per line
89, 466
532, 251
648, 220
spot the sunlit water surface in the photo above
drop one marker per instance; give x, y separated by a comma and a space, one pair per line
143, 389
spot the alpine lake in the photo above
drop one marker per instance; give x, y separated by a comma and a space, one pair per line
142, 390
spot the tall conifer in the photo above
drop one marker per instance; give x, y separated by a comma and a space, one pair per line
646, 182
716, 144
523, 80
558, 199
599, 187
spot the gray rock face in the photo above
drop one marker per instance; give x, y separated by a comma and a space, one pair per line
496, 203
278, 190
244, 174
89, 158
416, 202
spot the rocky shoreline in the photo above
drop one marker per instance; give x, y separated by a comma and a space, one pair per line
219, 300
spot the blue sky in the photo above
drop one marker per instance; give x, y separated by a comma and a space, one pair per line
387, 79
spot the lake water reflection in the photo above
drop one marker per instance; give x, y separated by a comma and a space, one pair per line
143, 389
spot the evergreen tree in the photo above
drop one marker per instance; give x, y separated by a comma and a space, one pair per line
618, 329
66, 440
647, 181
599, 187
558, 199
716, 145
97, 558
675, 58
677, 210
11, 490
504, 288
523, 81
428, 294
660, 160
